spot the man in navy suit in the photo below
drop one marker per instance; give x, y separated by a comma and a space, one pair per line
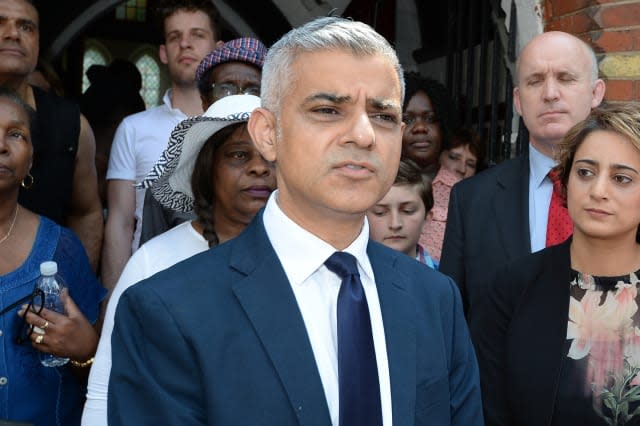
252, 331
501, 214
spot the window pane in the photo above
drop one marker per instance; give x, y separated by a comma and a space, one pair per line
132, 10
150, 71
91, 57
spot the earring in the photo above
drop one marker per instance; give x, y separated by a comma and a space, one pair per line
27, 182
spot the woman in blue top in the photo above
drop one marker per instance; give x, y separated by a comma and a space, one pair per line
30, 392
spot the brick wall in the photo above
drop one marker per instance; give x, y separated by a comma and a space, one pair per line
612, 28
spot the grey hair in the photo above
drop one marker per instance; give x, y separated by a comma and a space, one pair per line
327, 33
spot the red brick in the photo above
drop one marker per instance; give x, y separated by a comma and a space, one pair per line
610, 1
575, 24
547, 10
620, 90
563, 7
615, 41
621, 15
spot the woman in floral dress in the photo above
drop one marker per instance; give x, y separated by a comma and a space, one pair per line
558, 339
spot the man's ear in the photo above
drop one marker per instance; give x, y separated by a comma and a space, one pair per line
162, 54
599, 88
262, 128
516, 100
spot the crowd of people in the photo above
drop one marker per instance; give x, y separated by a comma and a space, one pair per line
304, 234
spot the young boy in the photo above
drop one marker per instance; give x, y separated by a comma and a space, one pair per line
398, 218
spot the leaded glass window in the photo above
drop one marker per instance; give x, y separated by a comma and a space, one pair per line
150, 72
92, 56
132, 10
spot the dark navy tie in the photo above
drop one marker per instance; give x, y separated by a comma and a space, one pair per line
357, 368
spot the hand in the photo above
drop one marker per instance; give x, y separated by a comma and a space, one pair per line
69, 336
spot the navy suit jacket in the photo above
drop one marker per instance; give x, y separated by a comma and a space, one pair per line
219, 340
487, 227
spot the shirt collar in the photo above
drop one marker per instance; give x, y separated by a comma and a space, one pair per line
300, 252
539, 166
446, 177
166, 100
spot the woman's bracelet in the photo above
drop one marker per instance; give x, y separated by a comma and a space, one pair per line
82, 364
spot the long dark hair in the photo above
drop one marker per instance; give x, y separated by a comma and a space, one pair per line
202, 184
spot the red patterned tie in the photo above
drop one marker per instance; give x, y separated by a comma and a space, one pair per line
559, 224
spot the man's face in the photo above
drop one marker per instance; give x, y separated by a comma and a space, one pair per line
555, 89
19, 37
188, 39
232, 78
338, 136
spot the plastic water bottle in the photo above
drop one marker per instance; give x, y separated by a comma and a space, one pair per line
51, 285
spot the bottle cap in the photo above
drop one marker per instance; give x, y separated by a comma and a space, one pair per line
48, 268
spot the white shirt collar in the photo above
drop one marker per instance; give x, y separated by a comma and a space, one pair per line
539, 166
300, 252
166, 100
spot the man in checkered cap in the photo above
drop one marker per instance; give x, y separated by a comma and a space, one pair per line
233, 68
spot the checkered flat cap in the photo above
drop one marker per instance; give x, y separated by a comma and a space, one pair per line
245, 49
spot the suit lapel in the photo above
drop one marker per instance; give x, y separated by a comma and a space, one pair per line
400, 335
543, 346
511, 209
269, 303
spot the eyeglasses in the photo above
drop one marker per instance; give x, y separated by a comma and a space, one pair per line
36, 304
228, 89
427, 118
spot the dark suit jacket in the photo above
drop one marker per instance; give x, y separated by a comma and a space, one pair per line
487, 227
520, 335
219, 340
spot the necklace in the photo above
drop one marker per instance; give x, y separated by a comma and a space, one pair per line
13, 222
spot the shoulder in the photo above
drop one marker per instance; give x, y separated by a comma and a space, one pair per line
172, 246
144, 117
510, 169
64, 238
188, 274
69, 247
50, 101
518, 276
421, 281
158, 254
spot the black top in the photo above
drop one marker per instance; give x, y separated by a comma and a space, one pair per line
55, 144
157, 219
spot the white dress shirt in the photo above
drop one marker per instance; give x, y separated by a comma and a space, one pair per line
540, 190
315, 287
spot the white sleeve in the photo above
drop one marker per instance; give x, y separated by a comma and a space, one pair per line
122, 159
95, 409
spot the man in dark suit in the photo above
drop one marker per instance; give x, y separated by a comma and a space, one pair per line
501, 214
301, 320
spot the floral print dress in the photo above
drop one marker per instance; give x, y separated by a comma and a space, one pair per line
600, 377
